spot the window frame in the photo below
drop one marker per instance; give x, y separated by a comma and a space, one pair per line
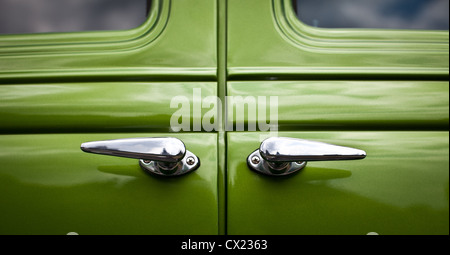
145, 53
356, 39
294, 50
88, 41
85, 6
295, 7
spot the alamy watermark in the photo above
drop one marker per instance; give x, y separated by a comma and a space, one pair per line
250, 113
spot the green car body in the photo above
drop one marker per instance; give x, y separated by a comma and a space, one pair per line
383, 91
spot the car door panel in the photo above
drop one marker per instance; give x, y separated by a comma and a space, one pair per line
401, 187
378, 90
48, 186
59, 90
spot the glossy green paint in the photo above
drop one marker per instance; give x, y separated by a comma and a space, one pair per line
49, 186
348, 87
123, 81
98, 82
348, 105
87, 86
97, 107
401, 187
173, 44
274, 44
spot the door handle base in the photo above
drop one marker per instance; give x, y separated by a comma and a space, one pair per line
257, 163
189, 163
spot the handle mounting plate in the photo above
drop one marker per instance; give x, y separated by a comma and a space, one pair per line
257, 163
189, 163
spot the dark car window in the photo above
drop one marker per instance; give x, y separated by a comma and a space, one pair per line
38, 16
390, 14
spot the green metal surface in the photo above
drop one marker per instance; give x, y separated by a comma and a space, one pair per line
96, 107
349, 105
89, 85
274, 44
401, 187
49, 186
349, 87
344, 86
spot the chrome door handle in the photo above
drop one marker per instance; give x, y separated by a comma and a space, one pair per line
157, 155
284, 155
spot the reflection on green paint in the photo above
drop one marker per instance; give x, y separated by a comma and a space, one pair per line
49, 186
344, 105
401, 187
95, 107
